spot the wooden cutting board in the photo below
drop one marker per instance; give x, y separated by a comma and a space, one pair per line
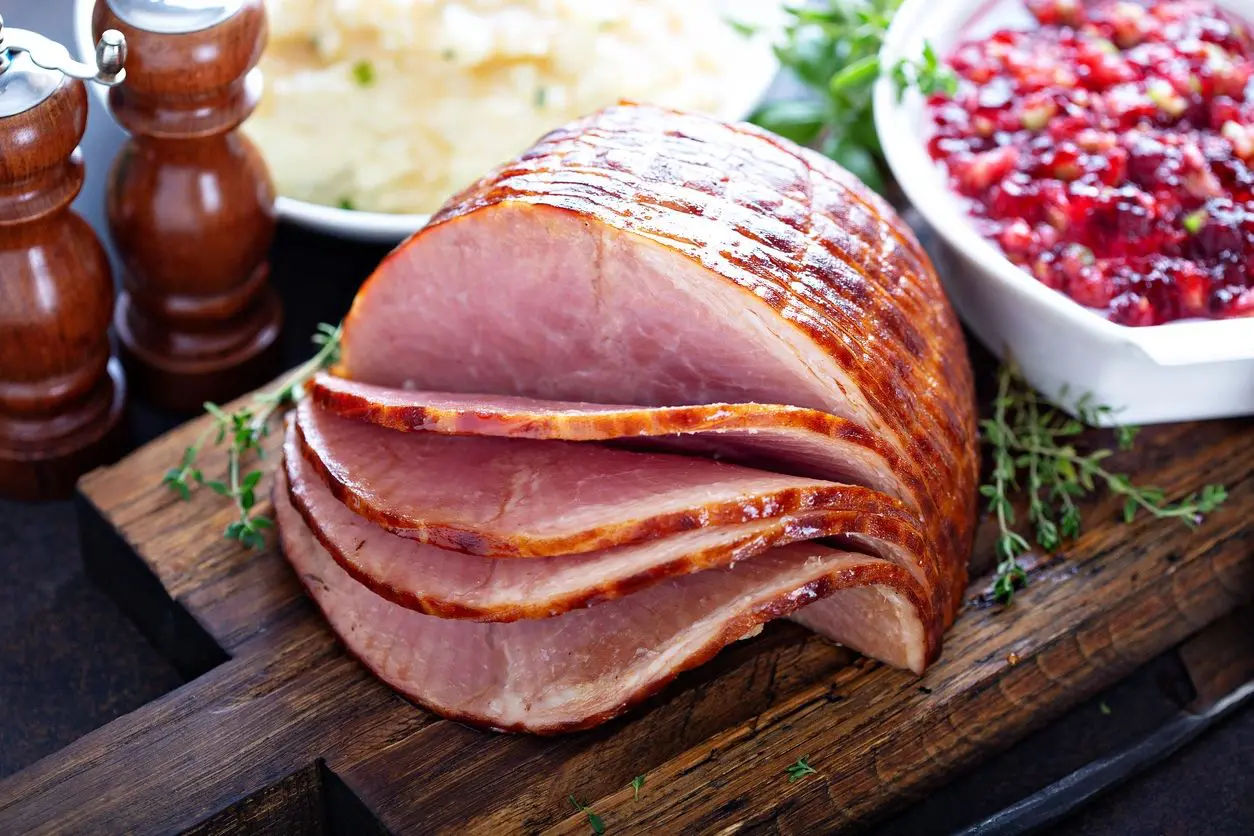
279, 731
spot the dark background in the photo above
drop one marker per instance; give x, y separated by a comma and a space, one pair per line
70, 662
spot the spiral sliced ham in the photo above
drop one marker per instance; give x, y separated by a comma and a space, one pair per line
642, 256
440, 582
576, 670
803, 442
649, 277
522, 498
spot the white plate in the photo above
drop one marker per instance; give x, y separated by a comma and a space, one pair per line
376, 227
1174, 372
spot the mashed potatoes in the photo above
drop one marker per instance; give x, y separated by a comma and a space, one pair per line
393, 105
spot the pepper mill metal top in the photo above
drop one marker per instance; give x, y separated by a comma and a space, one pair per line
174, 17
32, 67
192, 63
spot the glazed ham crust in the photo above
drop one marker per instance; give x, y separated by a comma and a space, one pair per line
642, 256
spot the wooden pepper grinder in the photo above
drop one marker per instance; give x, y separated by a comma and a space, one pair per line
190, 202
61, 394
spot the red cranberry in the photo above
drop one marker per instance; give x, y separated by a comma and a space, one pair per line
1092, 287
1132, 309
978, 172
1057, 12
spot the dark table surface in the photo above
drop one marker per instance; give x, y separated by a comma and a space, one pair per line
70, 662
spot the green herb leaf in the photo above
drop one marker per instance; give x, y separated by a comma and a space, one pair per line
347, 205
1102, 707
594, 821
861, 72
363, 73
636, 784
1194, 221
857, 160
245, 429
1010, 578
1129, 509
833, 49
928, 75
800, 769
800, 120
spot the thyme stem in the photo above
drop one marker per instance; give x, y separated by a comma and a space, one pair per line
245, 429
1028, 432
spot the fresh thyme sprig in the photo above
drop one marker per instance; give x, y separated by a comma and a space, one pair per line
800, 769
1033, 441
594, 821
926, 73
833, 49
244, 430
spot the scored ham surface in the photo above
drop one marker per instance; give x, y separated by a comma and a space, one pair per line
803, 442
439, 582
576, 670
642, 256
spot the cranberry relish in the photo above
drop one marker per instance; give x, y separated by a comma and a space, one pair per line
1109, 153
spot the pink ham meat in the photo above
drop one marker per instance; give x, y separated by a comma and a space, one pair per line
522, 498
643, 256
439, 582
576, 670
803, 442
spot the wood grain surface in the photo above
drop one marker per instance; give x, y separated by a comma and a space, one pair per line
282, 732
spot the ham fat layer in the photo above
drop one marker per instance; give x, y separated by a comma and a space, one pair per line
576, 670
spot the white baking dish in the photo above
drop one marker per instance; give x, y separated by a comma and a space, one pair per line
1175, 372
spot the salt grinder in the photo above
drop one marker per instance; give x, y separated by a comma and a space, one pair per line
190, 202
61, 394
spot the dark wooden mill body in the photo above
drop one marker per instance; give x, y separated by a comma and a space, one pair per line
281, 731
190, 203
61, 393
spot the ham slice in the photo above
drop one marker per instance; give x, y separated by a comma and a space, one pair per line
451, 585
788, 439
642, 256
579, 669
523, 498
